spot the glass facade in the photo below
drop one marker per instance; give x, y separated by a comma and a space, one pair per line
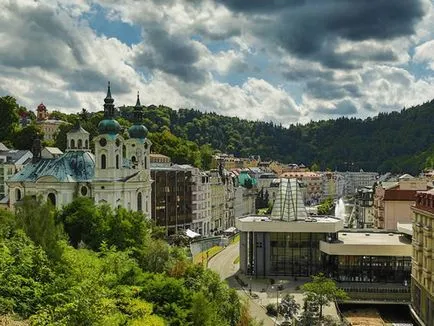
379, 269
295, 254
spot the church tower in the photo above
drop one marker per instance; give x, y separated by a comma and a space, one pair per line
108, 144
137, 148
41, 112
77, 139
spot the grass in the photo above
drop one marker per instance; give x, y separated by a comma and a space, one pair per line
202, 257
237, 260
235, 239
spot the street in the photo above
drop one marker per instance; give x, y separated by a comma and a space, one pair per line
223, 264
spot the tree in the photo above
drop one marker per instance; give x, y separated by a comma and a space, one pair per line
321, 291
84, 222
8, 117
23, 138
37, 219
288, 307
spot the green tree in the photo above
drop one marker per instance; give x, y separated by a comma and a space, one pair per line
288, 307
23, 137
321, 291
25, 274
84, 222
8, 117
37, 219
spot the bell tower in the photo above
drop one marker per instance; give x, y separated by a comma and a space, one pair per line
108, 144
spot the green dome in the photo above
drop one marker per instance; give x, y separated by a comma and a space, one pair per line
246, 180
109, 126
138, 131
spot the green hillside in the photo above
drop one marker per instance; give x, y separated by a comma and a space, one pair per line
397, 141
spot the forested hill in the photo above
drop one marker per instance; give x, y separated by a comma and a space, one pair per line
397, 141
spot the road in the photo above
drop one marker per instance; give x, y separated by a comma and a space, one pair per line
223, 264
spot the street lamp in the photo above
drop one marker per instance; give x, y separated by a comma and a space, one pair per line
277, 286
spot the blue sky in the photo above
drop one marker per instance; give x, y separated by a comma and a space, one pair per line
285, 61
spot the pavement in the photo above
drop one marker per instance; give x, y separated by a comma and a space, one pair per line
258, 291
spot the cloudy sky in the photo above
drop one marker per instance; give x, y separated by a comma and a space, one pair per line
286, 61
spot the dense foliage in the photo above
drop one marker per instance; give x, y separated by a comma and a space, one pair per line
395, 141
106, 268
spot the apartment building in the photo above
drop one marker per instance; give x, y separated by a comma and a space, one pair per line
422, 278
11, 161
393, 201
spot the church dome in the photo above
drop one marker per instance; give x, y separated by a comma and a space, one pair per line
109, 126
138, 131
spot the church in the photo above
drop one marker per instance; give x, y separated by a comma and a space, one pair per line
117, 173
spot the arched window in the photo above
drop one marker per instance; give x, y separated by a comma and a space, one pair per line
103, 161
72, 143
124, 151
146, 162
80, 144
139, 202
52, 198
86, 144
117, 161
18, 194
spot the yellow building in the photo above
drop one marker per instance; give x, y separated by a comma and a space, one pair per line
49, 127
231, 162
422, 288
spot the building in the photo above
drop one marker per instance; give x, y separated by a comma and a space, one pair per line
422, 278
159, 160
332, 185
217, 201
172, 197
48, 126
393, 201
355, 180
201, 200
51, 152
117, 173
311, 183
11, 162
229, 161
372, 266
364, 205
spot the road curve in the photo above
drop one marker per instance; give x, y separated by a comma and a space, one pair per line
223, 264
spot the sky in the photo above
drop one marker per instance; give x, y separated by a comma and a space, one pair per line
286, 61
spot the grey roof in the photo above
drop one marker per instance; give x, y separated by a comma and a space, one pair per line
70, 167
14, 155
77, 128
3, 147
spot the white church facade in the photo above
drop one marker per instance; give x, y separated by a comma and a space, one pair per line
117, 173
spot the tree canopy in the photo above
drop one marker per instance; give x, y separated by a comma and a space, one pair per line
116, 272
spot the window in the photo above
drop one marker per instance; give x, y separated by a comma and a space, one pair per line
80, 144
117, 161
52, 198
83, 191
86, 144
139, 202
103, 161
18, 194
72, 143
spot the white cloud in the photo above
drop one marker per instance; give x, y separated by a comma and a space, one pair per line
424, 53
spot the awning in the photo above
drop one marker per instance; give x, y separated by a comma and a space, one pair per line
191, 234
232, 229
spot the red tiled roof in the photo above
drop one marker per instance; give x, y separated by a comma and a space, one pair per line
400, 195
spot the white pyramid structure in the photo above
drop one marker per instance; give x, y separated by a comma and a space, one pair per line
289, 205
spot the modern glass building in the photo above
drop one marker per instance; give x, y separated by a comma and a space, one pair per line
290, 243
